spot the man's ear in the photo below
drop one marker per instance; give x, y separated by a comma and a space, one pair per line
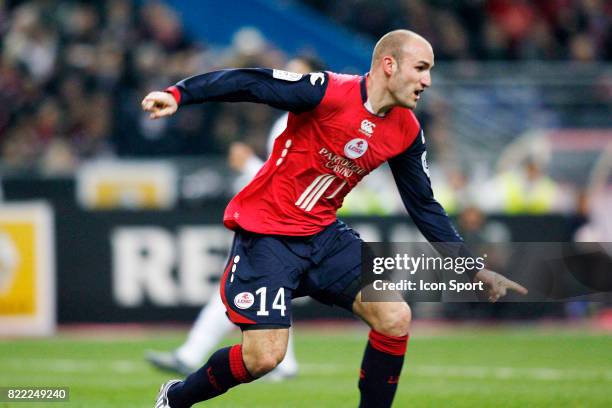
389, 65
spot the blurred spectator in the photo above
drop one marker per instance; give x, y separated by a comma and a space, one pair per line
476, 229
522, 184
598, 202
31, 42
524, 190
450, 188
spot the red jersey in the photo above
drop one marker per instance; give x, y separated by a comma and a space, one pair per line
318, 159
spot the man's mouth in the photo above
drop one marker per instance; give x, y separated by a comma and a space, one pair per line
417, 93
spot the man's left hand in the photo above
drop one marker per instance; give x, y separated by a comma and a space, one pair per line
497, 285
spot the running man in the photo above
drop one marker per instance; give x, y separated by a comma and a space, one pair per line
288, 242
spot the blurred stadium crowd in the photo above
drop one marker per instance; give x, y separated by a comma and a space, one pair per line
577, 30
72, 74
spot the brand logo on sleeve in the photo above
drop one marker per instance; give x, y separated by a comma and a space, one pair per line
315, 76
424, 164
286, 75
355, 148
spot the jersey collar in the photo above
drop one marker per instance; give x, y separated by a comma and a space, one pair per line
364, 96
364, 89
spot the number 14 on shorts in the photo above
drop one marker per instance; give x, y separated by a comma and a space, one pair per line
277, 304
245, 300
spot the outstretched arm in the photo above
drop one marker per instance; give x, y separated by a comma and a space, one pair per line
280, 89
411, 176
410, 172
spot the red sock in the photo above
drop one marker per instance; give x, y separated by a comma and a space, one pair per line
380, 369
224, 369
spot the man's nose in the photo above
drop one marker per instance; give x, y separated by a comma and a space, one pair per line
426, 80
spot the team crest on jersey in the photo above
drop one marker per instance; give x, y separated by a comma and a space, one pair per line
286, 75
367, 127
355, 148
244, 300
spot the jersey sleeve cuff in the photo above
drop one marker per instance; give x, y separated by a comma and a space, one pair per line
175, 92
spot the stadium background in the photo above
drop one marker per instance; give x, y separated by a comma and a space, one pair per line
108, 217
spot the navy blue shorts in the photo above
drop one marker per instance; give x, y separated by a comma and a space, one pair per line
264, 272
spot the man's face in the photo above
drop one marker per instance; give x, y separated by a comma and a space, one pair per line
412, 73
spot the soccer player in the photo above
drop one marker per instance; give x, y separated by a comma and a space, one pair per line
288, 242
212, 324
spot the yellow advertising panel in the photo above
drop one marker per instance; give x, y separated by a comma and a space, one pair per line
27, 268
17, 268
111, 184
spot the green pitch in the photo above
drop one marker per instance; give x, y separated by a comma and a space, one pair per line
460, 368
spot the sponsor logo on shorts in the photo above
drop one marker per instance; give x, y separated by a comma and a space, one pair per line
244, 300
355, 148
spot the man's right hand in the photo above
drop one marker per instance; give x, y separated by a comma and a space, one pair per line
160, 104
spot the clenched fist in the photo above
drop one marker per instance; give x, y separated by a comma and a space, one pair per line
160, 104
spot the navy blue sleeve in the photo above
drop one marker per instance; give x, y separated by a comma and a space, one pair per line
411, 175
284, 90
412, 178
